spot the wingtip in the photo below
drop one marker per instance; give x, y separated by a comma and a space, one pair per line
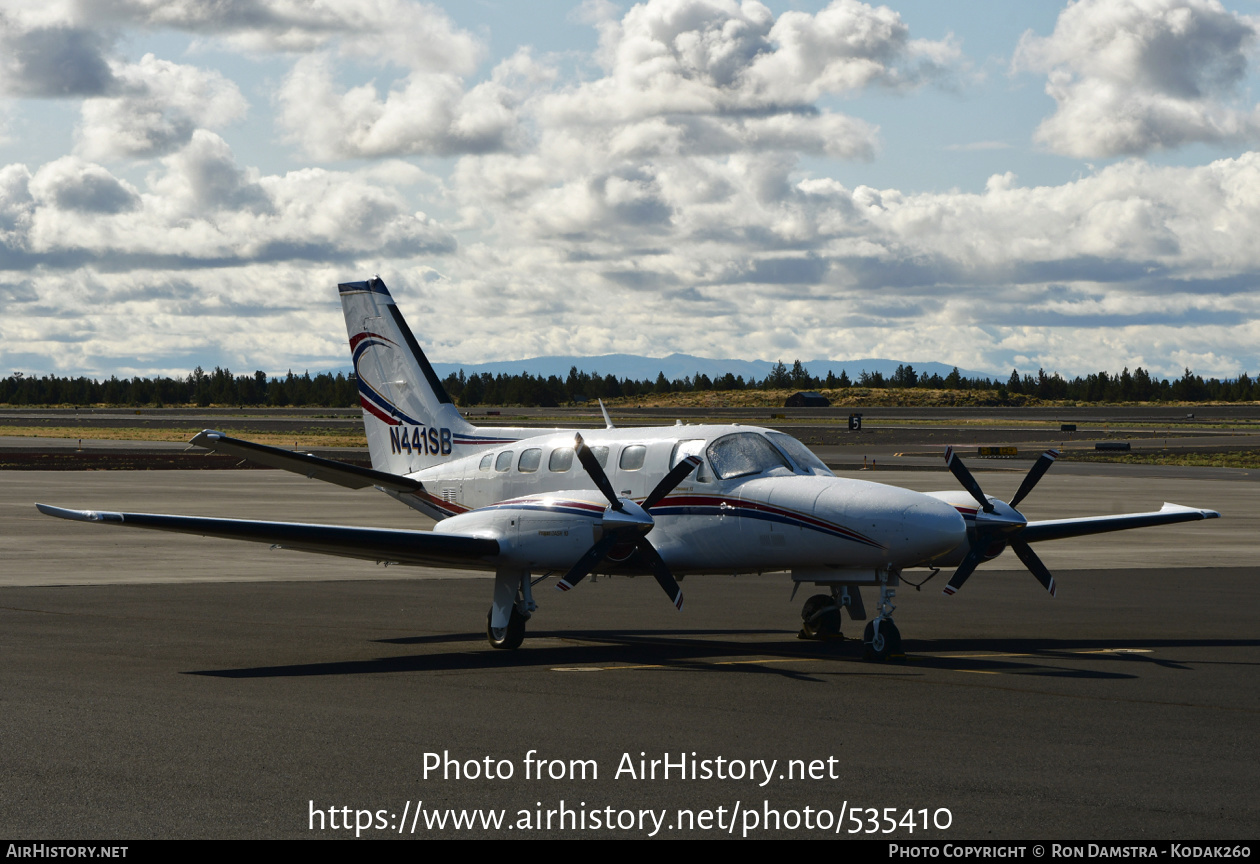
1170, 507
72, 515
59, 512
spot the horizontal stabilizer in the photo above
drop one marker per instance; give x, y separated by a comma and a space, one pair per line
1057, 529
328, 470
421, 548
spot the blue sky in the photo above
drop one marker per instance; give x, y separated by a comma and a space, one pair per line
989, 184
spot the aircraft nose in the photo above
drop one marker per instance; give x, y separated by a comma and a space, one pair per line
912, 527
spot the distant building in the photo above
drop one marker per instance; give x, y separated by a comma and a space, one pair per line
805, 399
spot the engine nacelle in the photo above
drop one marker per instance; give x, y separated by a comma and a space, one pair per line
537, 532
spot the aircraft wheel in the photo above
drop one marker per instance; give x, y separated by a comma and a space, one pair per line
821, 618
508, 637
886, 646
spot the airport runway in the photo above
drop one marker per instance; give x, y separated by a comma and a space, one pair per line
166, 686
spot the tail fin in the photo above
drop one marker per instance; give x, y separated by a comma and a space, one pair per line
410, 420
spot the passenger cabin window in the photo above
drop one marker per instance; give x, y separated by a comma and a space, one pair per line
601, 456
485, 462
560, 460
504, 461
744, 454
799, 453
692, 447
529, 461
632, 457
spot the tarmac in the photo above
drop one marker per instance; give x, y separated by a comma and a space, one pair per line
167, 686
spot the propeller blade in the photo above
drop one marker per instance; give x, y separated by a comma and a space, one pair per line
965, 569
1033, 563
659, 569
1039, 468
595, 471
959, 470
675, 476
587, 563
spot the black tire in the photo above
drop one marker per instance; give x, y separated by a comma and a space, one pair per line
511, 636
886, 647
820, 617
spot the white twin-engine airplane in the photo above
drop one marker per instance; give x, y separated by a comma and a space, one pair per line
662, 501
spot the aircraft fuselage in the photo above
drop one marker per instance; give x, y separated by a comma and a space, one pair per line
787, 516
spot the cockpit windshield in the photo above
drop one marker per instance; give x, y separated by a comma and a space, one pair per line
799, 453
745, 453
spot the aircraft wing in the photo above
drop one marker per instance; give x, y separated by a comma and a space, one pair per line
422, 548
1057, 529
329, 470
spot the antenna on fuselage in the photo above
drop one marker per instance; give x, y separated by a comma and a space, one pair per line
608, 424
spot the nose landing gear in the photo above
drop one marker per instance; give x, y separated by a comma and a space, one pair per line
882, 641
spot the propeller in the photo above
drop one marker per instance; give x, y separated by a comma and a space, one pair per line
959, 470
1040, 467
626, 522
999, 527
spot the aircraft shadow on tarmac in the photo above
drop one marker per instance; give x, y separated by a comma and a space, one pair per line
559, 634
698, 650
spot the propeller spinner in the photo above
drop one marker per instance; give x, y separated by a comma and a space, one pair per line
626, 522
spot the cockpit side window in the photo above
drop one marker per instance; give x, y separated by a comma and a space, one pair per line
799, 453
692, 447
743, 454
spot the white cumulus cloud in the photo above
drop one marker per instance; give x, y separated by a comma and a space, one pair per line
1131, 76
201, 209
427, 113
154, 108
417, 36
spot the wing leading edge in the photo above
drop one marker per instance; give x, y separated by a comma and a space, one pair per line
1058, 529
420, 548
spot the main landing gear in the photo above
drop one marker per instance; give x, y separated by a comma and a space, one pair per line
820, 618
508, 637
513, 605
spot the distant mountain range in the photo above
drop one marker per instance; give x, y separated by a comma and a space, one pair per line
678, 366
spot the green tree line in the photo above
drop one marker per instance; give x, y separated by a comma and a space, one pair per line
326, 389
